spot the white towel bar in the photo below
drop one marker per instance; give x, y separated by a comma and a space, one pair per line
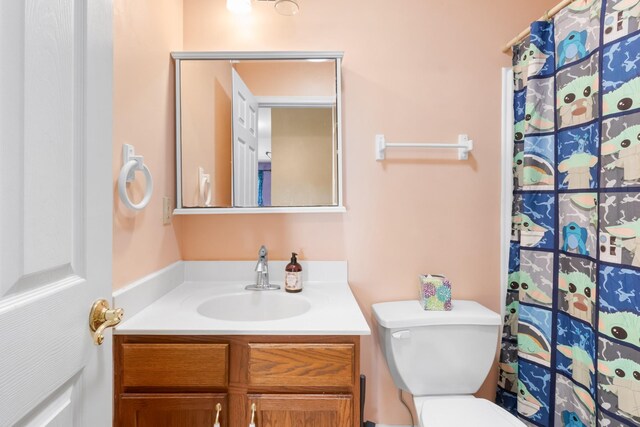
464, 145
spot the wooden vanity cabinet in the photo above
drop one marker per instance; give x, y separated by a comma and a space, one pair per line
177, 381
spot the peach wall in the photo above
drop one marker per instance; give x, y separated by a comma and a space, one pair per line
145, 32
422, 71
289, 78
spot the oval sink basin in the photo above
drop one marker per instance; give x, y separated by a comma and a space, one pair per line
254, 306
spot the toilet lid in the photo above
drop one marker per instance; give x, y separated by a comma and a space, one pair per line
457, 411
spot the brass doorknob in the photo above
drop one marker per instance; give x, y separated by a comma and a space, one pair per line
102, 317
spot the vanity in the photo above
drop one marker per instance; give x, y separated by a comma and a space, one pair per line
209, 348
256, 132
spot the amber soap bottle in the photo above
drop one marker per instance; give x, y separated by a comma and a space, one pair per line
293, 275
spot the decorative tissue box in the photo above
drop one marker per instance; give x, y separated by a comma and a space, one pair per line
435, 292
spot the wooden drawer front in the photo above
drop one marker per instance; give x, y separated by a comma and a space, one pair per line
301, 365
180, 366
172, 410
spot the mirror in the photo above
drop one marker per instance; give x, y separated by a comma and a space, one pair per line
258, 132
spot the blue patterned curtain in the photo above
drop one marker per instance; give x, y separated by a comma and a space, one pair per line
570, 352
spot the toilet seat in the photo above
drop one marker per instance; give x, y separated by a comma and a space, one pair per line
448, 411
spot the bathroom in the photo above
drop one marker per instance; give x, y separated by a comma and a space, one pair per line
415, 70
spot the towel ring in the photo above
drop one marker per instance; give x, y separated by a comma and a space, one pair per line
205, 191
204, 183
133, 163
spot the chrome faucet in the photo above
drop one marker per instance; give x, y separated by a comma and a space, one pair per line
262, 270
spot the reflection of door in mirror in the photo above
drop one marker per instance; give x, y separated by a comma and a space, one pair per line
205, 117
245, 144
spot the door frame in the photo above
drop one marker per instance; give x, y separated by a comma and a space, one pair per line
98, 53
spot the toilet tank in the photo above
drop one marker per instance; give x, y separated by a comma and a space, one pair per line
438, 352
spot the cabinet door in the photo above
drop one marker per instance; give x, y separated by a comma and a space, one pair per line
302, 410
171, 410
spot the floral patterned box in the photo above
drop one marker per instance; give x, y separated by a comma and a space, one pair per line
435, 292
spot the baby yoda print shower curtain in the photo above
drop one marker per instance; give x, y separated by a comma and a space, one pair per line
570, 352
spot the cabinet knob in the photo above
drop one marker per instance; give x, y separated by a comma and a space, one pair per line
218, 410
253, 415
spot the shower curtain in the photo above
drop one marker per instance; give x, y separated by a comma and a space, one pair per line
570, 352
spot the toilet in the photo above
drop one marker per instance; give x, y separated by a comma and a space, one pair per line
442, 358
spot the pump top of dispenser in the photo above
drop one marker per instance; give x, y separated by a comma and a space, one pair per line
293, 265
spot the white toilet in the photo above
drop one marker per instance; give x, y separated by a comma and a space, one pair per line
442, 358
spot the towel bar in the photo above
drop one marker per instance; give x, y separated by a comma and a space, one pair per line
464, 145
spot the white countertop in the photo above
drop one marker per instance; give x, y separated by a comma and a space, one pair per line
333, 311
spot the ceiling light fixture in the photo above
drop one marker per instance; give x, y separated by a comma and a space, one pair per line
287, 7
239, 7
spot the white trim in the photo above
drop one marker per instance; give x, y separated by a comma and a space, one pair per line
275, 55
506, 184
264, 210
178, 137
134, 297
231, 55
296, 101
339, 130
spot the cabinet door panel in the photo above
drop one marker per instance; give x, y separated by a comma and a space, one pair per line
302, 410
171, 410
291, 365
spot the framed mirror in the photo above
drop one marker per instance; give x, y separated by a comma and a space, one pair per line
258, 132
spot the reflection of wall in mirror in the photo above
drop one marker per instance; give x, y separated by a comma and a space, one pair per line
289, 78
302, 167
206, 114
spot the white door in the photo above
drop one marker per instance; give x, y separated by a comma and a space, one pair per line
55, 220
245, 144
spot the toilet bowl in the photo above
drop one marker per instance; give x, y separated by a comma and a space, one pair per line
442, 358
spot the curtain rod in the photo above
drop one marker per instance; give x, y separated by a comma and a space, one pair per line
547, 16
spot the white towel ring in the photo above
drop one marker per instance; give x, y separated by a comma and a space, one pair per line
204, 182
205, 191
127, 174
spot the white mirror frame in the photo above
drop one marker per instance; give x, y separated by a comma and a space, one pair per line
291, 55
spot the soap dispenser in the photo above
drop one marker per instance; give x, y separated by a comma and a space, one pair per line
293, 275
